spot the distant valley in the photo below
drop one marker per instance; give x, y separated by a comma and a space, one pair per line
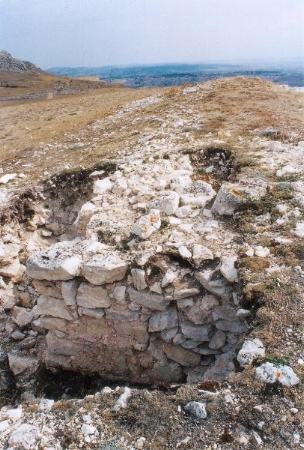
179, 74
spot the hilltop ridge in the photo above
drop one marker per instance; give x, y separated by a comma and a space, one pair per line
10, 64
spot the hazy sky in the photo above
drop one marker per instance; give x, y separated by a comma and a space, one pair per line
53, 33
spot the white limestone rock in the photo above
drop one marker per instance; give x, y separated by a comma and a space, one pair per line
15, 270
8, 252
102, 186
228, 269
198, 194
147, 224
167, 202
45, 405
58, 262
184, 252
251, 349
269, 373
104, 268
232, 195
24, 436
8, 177
201, 253
84, 216
183, 211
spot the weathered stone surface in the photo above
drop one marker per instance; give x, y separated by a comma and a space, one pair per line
53, 323
138, 278
86, 212
50, 306
185, 292
224, 312
183, 357
218, 340
136, 330
8, 252
197, 194
21, 316
228, 269
197, 409
21, 364
231, 196
47, 288
122, 315
251, 349
220, 369
92, 296
91, 329
7, 297
96, 313
195, 375
147, 225
167, 202
106, 268
269, 373
148, 299
234, 326
196, 333
166, 374
58, 262
218, 287
201, 253
163, 320
102, 186
15, 270
62, 346
119, 294
69, 291
168, 335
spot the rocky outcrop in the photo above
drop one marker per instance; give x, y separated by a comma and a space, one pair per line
10, 64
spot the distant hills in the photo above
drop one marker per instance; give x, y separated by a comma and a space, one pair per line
177, 74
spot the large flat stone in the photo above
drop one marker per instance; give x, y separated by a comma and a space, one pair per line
200, 333
50, 306
106, 268
92, 296
148, 299
58, 262
183, 357
53, 323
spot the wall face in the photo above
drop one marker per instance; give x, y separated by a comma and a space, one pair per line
143, 293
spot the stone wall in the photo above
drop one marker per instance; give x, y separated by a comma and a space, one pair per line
143, 293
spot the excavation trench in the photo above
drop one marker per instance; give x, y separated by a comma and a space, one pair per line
100, 303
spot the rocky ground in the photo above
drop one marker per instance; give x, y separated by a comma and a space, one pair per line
242, 141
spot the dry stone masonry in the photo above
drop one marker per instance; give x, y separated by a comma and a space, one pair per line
141, 293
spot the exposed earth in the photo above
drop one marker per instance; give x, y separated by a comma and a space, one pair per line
217, 170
